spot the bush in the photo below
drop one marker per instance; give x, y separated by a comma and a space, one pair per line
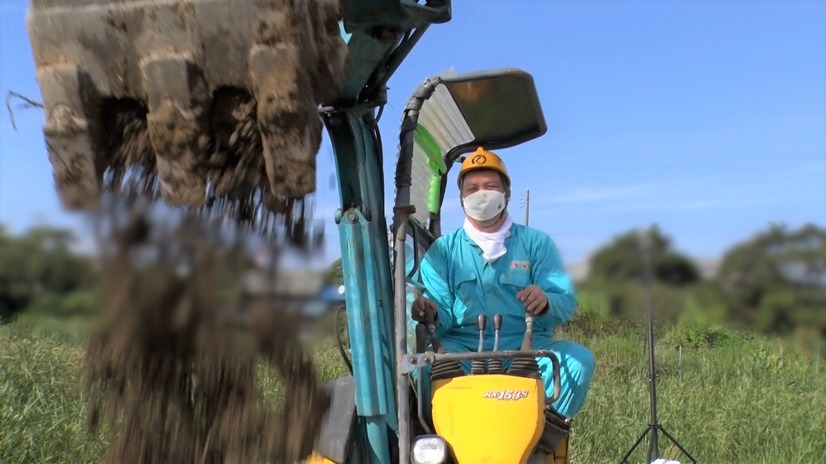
698, 336
704, 307
80, 303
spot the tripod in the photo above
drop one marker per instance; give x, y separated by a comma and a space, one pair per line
653, 427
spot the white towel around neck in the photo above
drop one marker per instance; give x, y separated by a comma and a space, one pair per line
491, 243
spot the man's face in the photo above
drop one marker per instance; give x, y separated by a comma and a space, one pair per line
482, 180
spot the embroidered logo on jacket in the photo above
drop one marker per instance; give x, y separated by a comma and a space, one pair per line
520, 265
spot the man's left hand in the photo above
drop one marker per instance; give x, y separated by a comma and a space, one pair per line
534, 299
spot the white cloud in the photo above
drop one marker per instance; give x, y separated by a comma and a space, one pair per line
595, 194
713, 192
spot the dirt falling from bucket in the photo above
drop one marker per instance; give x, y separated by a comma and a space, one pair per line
173, 374
182, 197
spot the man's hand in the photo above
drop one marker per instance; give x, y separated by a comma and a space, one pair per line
423, 308
534, 299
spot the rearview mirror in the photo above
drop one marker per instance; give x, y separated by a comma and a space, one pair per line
449, 115
500, 107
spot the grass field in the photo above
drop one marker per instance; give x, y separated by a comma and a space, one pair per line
727, 397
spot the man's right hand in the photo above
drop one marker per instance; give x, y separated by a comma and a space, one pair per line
422, 308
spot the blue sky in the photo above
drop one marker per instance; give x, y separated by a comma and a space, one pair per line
708, 118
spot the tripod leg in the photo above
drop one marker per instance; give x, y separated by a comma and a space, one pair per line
653, 444
634, 446
676, 443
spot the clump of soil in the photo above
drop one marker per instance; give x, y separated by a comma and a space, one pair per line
173, 372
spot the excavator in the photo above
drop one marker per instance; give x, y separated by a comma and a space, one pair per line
226, 100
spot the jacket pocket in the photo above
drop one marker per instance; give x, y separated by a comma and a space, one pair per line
518, 279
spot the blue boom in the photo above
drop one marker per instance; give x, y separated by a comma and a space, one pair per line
379, 34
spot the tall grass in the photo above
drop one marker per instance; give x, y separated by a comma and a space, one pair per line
42, 409
731, 399
728, 397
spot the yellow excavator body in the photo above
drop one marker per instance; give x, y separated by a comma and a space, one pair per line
494, 419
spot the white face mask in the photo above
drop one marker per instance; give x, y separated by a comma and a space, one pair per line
484, 204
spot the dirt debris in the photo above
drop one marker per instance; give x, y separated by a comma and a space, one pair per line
173, 372
186, 191
127, 141
235, 164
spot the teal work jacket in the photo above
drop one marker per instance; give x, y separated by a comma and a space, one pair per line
464, 285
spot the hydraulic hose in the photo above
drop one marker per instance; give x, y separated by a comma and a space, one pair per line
410, 121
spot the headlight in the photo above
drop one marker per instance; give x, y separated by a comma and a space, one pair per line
430, 449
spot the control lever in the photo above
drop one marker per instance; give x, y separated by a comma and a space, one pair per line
526, 367
441, 369
495, 365
479, 366
430, 320
527, 339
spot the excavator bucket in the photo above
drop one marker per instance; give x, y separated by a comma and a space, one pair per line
204, 100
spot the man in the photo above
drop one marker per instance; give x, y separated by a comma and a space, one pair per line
492, 265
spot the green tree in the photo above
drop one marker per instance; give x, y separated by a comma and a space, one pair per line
15, 289
617, 271
53, 266
776, 281
622, 261
36, 264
